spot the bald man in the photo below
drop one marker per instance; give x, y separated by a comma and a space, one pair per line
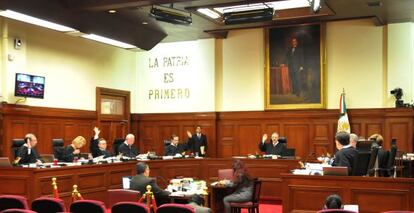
127, 149
27, 152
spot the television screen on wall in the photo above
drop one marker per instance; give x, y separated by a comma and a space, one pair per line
29, 86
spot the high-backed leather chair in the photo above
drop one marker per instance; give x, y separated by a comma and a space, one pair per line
175, 208
118, 195
16, 144
13, 202
87, 206
122, 207
115, 145
18, 211
48, 205
58, 146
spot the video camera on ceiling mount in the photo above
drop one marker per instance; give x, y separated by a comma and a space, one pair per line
398, 93
171, 15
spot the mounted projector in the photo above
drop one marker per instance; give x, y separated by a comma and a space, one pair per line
171, 15
241, 17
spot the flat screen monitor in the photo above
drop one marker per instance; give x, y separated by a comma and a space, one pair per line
29, 86
126, 181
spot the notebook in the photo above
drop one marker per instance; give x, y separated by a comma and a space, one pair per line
335, 170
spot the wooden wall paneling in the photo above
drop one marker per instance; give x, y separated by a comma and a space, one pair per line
298, 137
270, 128
48, 131
86, 130
320, 134
105, 128
226, 140
356, 129
299, 193
45, 123
374, 127
147, 139
368, 199
400, 129
247, 139
70, 132
1, 131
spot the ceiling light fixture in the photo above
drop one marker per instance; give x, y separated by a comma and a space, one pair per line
209, 12
36, 21
171, 15
276, 5
109, 41
112, 11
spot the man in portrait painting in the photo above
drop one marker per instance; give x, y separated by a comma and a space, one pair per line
295, 64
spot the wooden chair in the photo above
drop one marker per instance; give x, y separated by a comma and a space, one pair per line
253, 205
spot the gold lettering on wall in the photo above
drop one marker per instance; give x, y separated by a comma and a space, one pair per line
174, 93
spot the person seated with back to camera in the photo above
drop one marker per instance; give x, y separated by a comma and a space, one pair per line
175, 148
273, 147
197, 202
346, 153
244, 186
127, 149
72, 151
27, 153
98, 145
142, 179
382, 154
333, 201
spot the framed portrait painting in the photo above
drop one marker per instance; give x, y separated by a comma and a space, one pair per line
294, 73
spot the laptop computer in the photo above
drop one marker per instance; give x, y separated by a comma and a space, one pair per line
126, 181
5, 162
335, 170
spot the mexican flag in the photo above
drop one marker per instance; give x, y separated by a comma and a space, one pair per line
343, 122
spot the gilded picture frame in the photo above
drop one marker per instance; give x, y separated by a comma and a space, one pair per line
295, 67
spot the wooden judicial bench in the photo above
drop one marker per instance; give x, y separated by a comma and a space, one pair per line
303, 193
94, 180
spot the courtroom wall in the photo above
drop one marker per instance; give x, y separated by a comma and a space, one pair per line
73, 66
225, 74
354, 61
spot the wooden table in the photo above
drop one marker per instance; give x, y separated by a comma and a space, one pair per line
303, 193
94, 180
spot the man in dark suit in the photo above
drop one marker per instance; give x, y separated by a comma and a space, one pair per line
98, 145
127, 149
273, 147
175, 148
346, 154
27, 152
140, 182
197, 143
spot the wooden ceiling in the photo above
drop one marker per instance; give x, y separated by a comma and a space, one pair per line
128, 23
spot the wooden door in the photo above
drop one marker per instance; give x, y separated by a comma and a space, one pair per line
113, 113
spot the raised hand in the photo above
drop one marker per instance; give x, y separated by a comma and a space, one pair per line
189, 134
264, 138
96, 131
